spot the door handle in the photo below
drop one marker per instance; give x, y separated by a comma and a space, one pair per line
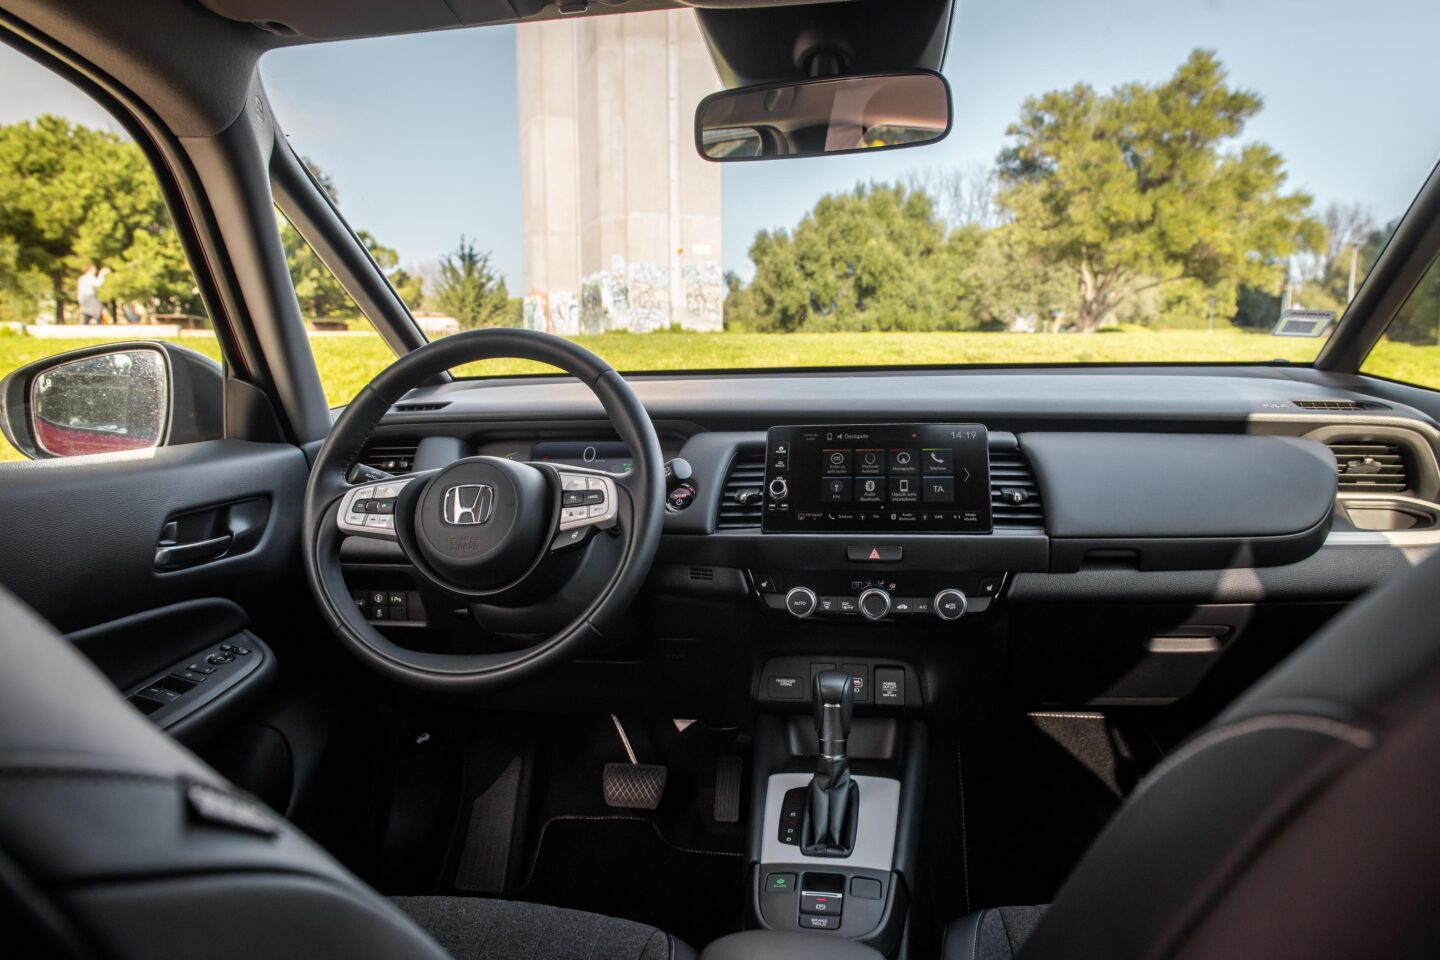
174, 556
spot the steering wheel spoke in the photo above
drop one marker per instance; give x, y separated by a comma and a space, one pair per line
588, 500
369, 510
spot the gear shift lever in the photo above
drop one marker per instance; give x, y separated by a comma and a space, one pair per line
832, 807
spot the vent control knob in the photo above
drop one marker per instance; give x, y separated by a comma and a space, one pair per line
950, 604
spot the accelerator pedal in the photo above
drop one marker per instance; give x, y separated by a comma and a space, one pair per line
633, 785
728, 774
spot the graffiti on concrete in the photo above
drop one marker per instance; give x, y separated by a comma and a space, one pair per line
704, 296
648, 286
533, 312
564, 314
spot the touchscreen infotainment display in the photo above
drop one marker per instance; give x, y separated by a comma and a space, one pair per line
916, 478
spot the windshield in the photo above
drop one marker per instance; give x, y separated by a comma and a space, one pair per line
1117, 187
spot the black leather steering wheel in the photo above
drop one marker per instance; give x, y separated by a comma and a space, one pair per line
485, 529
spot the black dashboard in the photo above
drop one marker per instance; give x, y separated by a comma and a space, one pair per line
909, 504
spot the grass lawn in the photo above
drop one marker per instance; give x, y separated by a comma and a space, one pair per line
348, 361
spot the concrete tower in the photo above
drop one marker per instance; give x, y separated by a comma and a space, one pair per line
621, 215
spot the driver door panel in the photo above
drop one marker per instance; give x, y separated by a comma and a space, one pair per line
150, 560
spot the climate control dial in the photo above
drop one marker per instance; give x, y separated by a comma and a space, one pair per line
874, 604
950, 604
801, 602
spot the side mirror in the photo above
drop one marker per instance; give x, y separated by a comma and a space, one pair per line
809, 118
110, 398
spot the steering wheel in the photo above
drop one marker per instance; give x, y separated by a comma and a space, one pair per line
490, 532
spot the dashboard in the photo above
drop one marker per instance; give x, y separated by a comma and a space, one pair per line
1161, 501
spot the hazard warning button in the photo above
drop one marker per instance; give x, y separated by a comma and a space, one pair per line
873, 554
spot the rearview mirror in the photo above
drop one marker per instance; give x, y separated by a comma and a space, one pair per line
809, 118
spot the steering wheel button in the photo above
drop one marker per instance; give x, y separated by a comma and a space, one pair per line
572, 497
595, 496
597, 510
364, 493
388, 491
380, 521
595, 483
568, 481
382, 506
574, 513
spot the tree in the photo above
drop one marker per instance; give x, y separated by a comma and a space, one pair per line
71, 195
469, 290
964, 196
1144, 187
319, 293
875, 258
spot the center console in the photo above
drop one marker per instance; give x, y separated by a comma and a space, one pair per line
834, 845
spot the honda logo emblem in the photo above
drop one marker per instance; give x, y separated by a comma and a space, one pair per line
467, 504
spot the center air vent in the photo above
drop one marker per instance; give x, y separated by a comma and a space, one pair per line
1370, 467
390, 456
742, 499
1014, 494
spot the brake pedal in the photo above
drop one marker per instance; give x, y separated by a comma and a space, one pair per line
633, 785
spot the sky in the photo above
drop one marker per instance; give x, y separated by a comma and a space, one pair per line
419, 133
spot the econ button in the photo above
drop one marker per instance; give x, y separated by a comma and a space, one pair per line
780, 883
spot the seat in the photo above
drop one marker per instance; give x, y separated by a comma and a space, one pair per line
115, 841
1301, 822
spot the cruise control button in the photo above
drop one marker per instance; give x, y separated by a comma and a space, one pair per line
569, 481
594, 496
594, 483
597, 510
571, 498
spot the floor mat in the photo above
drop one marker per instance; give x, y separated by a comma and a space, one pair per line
621, 866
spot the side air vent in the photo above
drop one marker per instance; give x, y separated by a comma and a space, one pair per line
1340, 405
421, 407
390, 456
1014, 494
742, 499
1370, 467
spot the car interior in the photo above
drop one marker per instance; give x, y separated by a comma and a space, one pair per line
921, 661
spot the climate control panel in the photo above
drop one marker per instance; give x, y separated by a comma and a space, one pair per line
821, 594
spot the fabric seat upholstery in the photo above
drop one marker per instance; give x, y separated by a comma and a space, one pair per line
117, 842
476, 929
996, 933
1299, 823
